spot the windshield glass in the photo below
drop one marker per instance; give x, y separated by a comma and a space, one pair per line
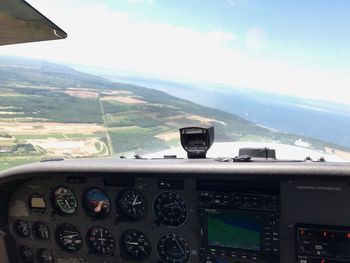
132, 72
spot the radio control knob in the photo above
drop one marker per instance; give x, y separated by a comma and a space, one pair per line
273, 221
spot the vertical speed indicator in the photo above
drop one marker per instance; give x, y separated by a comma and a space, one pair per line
135, 245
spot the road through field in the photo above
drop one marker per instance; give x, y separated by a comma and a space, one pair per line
109, 140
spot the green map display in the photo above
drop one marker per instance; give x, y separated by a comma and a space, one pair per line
233, 231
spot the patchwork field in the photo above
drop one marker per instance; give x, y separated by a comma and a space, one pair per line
50, 111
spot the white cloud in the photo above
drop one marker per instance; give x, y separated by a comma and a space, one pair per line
149, 2
222, 36
99, 36
255, 38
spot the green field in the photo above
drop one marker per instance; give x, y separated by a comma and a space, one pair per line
39, 93
135, 139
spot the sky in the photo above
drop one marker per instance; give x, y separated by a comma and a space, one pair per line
294, 47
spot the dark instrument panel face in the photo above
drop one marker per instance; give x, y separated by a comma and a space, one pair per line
98, 220
153, 219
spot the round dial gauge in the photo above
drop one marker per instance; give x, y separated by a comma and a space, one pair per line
22, 228
132, 203
135, 245
26, 254
69, 238
45, 256
97, 203
170, 209
173, 248
41, 230
65, 200
101, 241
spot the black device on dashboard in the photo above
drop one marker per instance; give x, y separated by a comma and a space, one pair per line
196, 141
239, 227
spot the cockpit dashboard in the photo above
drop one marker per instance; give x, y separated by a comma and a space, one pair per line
175, 211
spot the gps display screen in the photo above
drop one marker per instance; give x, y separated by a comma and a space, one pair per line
233, 230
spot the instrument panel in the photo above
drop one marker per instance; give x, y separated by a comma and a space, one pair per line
71, 219
207, 217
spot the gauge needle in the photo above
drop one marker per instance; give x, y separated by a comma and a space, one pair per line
135, 202
133, 243
183, 252
177, 204
65, 200
171, 205
70, 236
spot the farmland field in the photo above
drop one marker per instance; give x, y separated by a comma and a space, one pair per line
49, 111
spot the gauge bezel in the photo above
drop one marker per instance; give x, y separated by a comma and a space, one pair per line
161, 221
26, 222
41, 250
21, 254
124, 250
62, 245
57, 209
91, 247
173, 234
35, 230
92, 214
125, 214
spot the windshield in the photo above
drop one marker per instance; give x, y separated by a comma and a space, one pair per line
132, 72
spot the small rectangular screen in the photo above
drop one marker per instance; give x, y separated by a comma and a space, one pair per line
37, 202
233, 230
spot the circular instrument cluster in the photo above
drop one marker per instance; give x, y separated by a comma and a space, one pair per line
132, 204
97, 203
65, 200
173, 248
101, 241
135, 245
169, 209
69, 238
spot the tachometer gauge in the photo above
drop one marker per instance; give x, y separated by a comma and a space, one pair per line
45, 256
41, 230
173, 248
26, 254
170, 209
101, 241
132, 203
65, 200
69, 238
97, 203
22, 228
135, 245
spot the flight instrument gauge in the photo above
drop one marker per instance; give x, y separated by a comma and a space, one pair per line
27, 254
101, 241
170, 208
69, 238
132, 203
97, 203
41, 230
45, 256
173, 248
135, 245
65, 200
22, 228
